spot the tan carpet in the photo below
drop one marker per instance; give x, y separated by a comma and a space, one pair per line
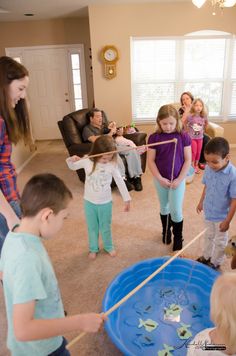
137, 236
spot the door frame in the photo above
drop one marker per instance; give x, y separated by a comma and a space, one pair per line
18, 52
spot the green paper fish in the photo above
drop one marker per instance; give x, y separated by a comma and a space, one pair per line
167, 351
173, 310
148, 324
183, 331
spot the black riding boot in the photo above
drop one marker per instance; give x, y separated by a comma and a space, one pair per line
178, 236
166, 232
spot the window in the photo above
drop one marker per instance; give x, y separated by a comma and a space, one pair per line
76, 77
163, 68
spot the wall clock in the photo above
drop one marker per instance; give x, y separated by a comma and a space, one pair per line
110, 56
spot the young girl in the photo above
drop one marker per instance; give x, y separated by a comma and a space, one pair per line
160, 159
97, 194
196, 123
223, 315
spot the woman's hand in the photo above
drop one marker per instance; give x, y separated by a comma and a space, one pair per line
112, 127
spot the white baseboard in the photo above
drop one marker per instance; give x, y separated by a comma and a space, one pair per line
19, 169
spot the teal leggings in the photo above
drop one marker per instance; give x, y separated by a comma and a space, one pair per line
98, 218
171, 200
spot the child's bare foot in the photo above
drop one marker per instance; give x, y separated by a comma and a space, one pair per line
112, 253
92, 255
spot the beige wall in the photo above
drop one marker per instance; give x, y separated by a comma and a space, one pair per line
50, 32
39, 33
115, 24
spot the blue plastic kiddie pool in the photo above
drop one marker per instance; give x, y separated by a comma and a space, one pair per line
164, 315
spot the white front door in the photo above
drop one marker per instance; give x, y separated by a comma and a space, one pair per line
53, 85
48, 91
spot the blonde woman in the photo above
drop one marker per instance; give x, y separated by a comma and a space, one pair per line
220, 340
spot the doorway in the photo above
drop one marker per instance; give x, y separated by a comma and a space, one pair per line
57, 84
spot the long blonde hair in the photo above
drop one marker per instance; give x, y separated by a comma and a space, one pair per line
102, 144
166, 111
223, 308
203, 113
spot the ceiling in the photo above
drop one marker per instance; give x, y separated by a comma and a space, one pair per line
14, 10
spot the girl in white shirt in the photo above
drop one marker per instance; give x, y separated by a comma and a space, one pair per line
99, 172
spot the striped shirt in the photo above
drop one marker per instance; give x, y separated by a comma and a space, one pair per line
7, 169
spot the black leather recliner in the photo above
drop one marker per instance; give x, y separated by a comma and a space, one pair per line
71, 127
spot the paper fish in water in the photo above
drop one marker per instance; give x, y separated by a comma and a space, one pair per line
173, 295
183, 332
166, 292
196, 310
131, 321
143, 340
167, 351
148, 324
141, 308
181, 297
173, 313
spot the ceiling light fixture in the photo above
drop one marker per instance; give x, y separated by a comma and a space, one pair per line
220, 3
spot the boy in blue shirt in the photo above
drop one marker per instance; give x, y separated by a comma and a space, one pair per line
34, 307
218, 200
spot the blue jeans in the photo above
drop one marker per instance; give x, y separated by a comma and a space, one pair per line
3, 223
61, 351
171, 200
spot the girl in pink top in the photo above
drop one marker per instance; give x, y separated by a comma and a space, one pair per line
196, 123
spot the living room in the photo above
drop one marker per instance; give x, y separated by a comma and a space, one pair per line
137, 234
115, 24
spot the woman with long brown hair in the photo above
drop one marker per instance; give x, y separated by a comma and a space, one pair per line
14, 126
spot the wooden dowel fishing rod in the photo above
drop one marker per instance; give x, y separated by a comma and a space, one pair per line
136, 289
174, 140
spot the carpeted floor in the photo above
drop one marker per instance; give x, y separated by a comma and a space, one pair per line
137, 236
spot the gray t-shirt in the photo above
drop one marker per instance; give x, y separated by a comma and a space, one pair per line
90, 130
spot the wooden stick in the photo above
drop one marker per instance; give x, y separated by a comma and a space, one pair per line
174, 140
136, 289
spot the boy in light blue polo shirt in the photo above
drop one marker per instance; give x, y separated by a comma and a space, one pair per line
34, 308
218, 200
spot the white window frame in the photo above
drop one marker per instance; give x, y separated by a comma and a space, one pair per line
227, 80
